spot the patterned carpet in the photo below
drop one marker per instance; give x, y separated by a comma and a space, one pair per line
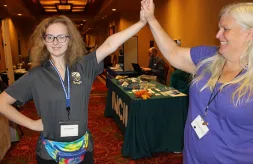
107, 137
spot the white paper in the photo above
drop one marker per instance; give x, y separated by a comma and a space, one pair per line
198, 127
69, 130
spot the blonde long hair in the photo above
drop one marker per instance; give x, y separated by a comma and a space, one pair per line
39, 52
243, 13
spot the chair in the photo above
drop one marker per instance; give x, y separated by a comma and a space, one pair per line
165, 72
180, 80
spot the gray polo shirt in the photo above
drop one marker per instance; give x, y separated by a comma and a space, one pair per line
42, 84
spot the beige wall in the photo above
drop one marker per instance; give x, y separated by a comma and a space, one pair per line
194, 22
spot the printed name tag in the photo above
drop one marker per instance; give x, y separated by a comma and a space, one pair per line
69, 130
199, 127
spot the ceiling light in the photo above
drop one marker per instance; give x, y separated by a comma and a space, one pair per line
64, 7
49, 7
84, 20
46, 2
79, 2
5, 5
113, 9
19, 14
81, 24
77, 10
78, 7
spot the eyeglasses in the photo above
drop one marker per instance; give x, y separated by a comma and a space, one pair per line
60, 38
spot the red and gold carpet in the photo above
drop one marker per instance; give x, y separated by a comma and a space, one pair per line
107, 137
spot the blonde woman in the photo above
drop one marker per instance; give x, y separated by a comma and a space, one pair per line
219, 127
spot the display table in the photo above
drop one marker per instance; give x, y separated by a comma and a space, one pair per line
149, 126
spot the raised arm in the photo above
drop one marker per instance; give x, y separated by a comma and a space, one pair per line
177, 56
115, 40
12, 114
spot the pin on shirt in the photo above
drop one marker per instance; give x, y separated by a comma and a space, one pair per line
76, 77
205, 123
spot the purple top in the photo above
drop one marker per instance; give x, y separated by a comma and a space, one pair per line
230, 136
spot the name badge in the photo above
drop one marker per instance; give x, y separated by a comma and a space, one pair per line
199, 126
68, 129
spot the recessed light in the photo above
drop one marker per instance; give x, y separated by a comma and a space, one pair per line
81, 24
113, 9
5, 5
84, 20
19, 14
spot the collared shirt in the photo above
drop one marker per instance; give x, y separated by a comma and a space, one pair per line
42, 84
157, 67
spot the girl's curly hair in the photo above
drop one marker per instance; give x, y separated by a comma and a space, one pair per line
39, 52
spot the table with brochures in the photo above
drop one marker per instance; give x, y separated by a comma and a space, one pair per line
149, 126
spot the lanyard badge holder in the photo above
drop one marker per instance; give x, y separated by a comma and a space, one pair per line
199, 124
67, 128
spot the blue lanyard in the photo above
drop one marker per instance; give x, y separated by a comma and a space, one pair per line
67, 94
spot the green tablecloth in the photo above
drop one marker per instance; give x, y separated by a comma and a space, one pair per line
149, 126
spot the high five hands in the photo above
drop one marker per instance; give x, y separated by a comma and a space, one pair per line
148, 8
